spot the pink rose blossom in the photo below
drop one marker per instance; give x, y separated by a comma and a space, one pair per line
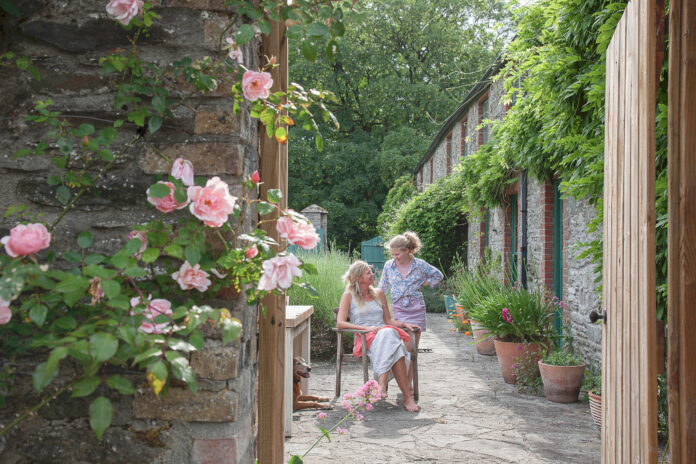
190, 277
297, 233
256, 85
213, 203
26, 239
124, 10
279, 271
183, 169
142, 236
251, 252
235, 53
255, 177
168, 203
5, 312
153, 309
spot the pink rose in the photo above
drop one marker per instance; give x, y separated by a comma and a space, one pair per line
212, 203
256, 85
183, 169
153, 309
279, 271
168, 203
26, 239
124, 10
192, 277
297, 233
142, 236
235, 53
5, 312
251, 252
255, 177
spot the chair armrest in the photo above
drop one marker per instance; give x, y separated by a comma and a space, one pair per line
335, 329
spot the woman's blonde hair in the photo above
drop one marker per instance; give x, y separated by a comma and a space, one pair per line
355, 271
408, 241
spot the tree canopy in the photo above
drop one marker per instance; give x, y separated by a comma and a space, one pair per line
400, 69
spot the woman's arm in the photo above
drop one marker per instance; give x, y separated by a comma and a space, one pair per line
388, 319
342, 316
433, 276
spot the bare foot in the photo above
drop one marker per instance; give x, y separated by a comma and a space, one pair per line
410, 405
384, 387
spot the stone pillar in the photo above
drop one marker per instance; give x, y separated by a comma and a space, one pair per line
65, 40
318, 216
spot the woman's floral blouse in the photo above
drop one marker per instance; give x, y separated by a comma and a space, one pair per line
403, 289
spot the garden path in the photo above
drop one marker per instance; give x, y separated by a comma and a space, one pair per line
468, 414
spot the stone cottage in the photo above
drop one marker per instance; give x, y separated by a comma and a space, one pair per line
554, 227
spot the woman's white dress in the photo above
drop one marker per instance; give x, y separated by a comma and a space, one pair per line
386, 348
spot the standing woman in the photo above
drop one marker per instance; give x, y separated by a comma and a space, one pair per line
405, 275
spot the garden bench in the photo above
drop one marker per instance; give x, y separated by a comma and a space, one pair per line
341, 355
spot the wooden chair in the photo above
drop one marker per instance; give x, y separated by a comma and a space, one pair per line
348, 356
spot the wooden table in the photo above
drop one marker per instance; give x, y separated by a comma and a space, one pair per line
297, 343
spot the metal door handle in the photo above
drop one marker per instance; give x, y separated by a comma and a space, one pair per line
595, 316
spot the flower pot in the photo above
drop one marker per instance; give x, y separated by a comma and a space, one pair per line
596, 409
507, 352
562, 383
484, 343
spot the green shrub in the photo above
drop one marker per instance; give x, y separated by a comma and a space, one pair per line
561, 358
472, 288
434, 303
328, 283
437, 215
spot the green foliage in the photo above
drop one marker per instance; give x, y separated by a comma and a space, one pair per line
403, 189
402, 67
437, 215
530, 317
593, 380
433, 299
525, 370
327, 282
562, 358
472, 287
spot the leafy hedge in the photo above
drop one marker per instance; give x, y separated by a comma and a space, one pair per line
438, 216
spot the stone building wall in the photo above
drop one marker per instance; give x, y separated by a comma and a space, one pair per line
65, 40
578, 286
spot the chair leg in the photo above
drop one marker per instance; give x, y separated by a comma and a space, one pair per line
339, 362
364, 357
414, 366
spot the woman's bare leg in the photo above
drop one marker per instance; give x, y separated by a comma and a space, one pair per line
399, 371
383, 381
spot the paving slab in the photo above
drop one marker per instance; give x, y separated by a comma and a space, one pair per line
468, 415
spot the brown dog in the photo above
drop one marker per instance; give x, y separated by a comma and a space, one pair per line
300, 401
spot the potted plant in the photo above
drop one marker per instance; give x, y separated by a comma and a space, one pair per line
472, 289
562, 374
521, 322
593, 386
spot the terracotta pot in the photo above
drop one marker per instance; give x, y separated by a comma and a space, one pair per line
484, 343
562, 383
507, 352
596, 409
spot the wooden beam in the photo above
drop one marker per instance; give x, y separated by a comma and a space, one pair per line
274, 173
681, 369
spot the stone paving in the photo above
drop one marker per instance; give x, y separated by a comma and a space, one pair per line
468, 414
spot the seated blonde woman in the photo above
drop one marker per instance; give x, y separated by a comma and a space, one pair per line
368, 310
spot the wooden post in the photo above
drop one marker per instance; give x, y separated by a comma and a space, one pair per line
274, 173
682, 232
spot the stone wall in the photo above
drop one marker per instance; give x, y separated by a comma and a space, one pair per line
65, 40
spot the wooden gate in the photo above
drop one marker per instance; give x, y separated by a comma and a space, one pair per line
629, 396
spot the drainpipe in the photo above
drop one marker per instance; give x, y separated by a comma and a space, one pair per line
523, 228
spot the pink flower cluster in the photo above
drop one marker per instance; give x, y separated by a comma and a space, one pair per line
301, 234
153, 309
279, 271
507, 316
26, 239
190, 277
5, 312
213, 203
124, 10
363, 399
